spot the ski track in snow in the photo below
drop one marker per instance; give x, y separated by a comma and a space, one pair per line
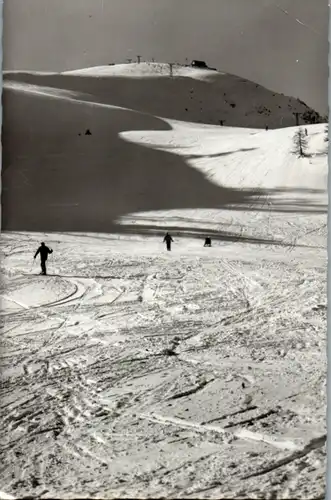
129, 371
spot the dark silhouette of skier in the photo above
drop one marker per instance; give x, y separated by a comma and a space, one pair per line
306, 131
207, 242
267, 127
168, 241
43, 250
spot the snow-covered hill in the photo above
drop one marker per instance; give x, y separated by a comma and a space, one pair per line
286, 187
67, 180
191, 94
130, 371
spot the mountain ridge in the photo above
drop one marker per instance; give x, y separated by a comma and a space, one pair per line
180, 92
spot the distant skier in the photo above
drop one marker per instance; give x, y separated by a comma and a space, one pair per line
267, 127
207, 242
168, 240
306, 131
43, 250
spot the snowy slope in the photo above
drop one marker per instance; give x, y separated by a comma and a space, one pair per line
133, 372
143, 70
104, 175
250, 160
191, 94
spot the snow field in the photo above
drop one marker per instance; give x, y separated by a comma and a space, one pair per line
133, 372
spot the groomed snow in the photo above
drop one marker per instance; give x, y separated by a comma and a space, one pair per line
200, 373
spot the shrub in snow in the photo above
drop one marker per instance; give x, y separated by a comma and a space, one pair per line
311, 116
300, 143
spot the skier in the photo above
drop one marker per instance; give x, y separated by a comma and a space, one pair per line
207, 242
306, 131
168, 241
44, 251
267, 127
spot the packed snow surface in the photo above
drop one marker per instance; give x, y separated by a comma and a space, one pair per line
130, 371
